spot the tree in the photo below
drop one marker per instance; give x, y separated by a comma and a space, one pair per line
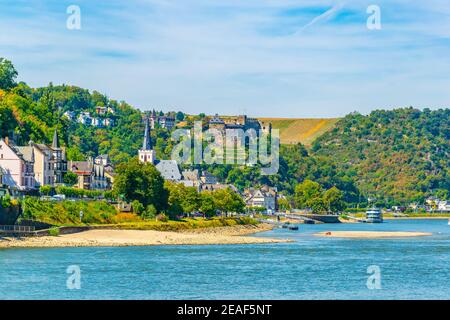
226, 200
306, 192
284, 204
70, 178
333, 199
179, 116
182, 199
137, 207
191, 200
8, 74
175, 195
237, 204
141, 182
207, 206
150, 212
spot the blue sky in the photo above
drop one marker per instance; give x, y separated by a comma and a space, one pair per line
275, 58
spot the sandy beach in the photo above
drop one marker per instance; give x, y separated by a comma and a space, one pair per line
122, 238
371, 234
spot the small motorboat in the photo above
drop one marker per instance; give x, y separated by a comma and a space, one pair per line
293, 227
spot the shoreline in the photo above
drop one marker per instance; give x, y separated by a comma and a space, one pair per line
125, 238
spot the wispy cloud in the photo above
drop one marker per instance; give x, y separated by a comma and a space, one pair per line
324, 16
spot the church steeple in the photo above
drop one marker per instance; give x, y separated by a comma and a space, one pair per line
55, 144
147, 154
147, 145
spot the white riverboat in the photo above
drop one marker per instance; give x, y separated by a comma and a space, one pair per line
374, 215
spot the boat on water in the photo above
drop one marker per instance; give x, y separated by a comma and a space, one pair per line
374, 215
293, 227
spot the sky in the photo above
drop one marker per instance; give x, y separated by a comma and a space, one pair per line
265, 58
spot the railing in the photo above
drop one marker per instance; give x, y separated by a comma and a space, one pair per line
17, 228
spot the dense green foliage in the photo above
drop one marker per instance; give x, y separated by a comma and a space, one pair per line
68, 212
8, 74
395, 156
141, 182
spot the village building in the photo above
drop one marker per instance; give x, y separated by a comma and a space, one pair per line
69, 115
208, 178
218, 186
85, 118
97, 174
264, 197
444, 206
101, 110
18, 166
59, 160
166, 121
240, 122
83, 170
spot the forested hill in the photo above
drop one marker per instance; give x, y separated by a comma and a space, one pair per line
399, 155
33, 114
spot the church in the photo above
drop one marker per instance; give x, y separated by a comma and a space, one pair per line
168, 168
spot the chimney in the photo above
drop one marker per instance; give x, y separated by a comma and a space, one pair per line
7, 140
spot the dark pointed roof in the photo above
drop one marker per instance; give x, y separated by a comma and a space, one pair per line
147, 145
55, 144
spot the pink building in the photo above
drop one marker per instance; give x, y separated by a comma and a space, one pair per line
17, 164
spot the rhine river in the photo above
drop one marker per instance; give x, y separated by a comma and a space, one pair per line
309, 268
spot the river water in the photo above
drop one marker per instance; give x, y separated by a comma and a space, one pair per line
309, 268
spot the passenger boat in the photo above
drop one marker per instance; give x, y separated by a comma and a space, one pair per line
374, 215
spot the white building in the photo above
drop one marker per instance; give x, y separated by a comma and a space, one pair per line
443, 206
69, 115
264, 197
85, 118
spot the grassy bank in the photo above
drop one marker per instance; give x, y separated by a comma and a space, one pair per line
68, 212
180, 225
103, 214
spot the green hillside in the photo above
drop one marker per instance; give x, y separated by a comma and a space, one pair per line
400, 155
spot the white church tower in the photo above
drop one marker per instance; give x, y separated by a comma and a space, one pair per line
147, 154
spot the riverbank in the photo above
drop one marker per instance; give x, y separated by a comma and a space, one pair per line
122, 238
371, 234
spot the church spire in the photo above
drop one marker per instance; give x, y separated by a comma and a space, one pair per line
147, 145
55, 144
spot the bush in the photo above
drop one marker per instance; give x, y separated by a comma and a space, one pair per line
53, 232
138, 208
162, 217
150, 212
45, 190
